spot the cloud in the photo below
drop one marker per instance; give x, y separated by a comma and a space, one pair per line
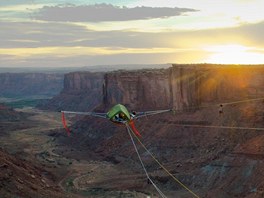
53, 34
254, 30
66, 44
34, 34
105, 12
54, 60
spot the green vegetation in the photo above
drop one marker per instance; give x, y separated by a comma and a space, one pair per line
21, 102
69, 183
24, 103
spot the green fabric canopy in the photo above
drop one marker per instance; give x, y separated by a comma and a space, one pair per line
116, 110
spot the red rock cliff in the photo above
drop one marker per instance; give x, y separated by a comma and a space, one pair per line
228, 83
142, 89
183, 86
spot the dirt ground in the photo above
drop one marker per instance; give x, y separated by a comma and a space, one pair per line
98, 160
81, 178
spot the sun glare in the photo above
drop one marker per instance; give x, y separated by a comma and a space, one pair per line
234, 54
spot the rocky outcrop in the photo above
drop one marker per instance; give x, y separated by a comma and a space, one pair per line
30, 84
11, 120
82, 91
19, 178
7, 114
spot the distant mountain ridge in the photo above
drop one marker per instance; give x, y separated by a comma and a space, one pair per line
95, 68
30, 84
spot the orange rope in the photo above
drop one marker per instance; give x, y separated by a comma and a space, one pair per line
65, 124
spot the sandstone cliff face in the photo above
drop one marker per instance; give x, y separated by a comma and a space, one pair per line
138, 89
176, 87
185, 83
82, 81
82, 91
30, 84
226, 83
183, 87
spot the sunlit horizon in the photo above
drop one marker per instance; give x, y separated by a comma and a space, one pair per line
233, 54
77, 33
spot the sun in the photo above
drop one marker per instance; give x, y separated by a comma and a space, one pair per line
233, 54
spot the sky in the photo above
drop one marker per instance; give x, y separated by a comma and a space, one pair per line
78, 33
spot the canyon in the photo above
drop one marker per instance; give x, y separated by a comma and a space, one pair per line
30, 84
215, 155
212, 161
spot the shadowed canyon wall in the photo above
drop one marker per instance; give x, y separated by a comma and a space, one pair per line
82, 91
138, 89
30, 84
